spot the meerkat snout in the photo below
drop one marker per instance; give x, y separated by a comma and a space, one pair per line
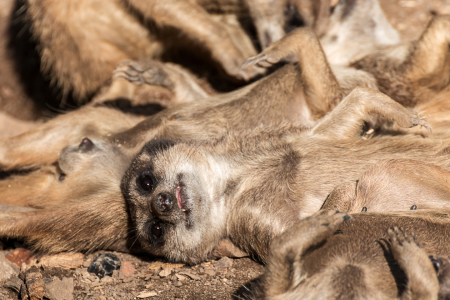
164, 202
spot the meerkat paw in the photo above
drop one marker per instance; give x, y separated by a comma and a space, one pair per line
420, 121
410, 118
130, 76
414, 261
233, 48
143, 72
267, 58
323, 224
404, 244
285, 48
310, 231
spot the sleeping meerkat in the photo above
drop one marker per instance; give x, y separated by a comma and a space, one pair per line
81, 42
330, 256
262, 103
100, 201
250, 188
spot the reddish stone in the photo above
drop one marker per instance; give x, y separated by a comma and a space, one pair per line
19, 256
126, 269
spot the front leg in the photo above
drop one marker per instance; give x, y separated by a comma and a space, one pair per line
346, 120
320, 85
414, 261
283, 271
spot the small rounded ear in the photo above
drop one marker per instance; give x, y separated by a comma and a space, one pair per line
227, 248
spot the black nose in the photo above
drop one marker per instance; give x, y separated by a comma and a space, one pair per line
164, 202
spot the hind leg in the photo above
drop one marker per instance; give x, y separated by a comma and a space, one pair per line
346, 120
283, 270
193, 20
414, 261
81, 42
428, 62
269, 19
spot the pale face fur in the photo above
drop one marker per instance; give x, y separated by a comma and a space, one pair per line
173, 202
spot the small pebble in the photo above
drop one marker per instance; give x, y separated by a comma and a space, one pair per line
126, 270
165, 272
19, 256
146, 294
224, 262
180, 277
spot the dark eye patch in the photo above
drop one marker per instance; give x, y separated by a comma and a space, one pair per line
146, 182
436, 263
155, 231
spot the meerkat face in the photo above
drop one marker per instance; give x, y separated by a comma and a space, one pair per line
173, 200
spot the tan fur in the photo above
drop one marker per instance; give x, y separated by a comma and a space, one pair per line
393, 185
81, 57
337, 259
329, 147
413, 73
302, 93
259, 181
289, 94
107, 154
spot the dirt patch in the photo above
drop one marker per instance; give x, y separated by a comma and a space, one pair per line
215, 279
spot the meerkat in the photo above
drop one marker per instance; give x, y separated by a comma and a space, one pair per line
359, 256
81, 42
288, 94
343, 30
405, 72
53, 222
309, 89
80, 58
262, 103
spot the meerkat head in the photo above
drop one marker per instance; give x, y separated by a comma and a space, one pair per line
101, 159
172, 193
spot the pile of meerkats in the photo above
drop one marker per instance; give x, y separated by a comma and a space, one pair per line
331, 165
